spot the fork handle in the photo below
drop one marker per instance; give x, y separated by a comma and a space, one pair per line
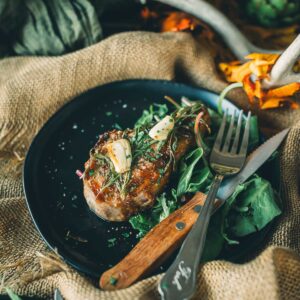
179, 282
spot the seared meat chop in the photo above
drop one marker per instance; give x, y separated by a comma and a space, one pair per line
116, 197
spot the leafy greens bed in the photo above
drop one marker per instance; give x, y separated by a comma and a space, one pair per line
251, 207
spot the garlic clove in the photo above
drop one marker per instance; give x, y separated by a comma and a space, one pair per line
161, 130
119, 153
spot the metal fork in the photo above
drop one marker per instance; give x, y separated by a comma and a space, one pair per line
226, 158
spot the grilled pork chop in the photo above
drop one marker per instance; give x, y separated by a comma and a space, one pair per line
116, 197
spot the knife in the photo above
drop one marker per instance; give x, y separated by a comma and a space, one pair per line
255, 160
162, 240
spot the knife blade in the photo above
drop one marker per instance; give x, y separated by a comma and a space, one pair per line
167, 236
255, 160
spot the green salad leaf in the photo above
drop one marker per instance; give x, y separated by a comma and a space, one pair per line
252, 209
214, 239
144, 221
200, 179
254, 133
148, 116
188, 165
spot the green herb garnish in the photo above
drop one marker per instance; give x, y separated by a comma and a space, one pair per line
111, 176
188, 170
113, 280
148, 117
117, 126
144, 221
111, 242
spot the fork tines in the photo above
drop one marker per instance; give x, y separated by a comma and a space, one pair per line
229, 144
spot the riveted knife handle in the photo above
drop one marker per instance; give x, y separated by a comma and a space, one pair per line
155, 247
180, 280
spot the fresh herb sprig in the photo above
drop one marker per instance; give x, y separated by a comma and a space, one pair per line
110, 175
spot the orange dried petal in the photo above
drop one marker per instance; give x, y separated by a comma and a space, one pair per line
271, 103
243, 71
278, 102
260, 71
294, 105
261, 62
284, 91
249, 88
227, 69
260, 66
235, 73
179, 21
259, 93
146, 13
268, 58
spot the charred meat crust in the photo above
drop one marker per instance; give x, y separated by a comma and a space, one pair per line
145, 180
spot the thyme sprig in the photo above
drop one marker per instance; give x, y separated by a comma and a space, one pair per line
143, 146
111, 176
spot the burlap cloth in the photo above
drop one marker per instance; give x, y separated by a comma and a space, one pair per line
32, 89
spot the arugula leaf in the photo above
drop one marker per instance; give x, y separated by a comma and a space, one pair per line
189, 162
253, 209
144, 221
254, 133
164, 207
214, 239
249, 209
199, 180
111, 242
159, 110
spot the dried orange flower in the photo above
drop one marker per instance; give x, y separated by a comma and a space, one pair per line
259, 65
146, 13
179, 21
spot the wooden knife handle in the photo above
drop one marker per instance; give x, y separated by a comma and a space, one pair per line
158, 244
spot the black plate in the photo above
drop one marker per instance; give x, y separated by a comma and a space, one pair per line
54, 192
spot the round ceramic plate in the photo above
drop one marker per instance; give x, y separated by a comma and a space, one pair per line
55, 194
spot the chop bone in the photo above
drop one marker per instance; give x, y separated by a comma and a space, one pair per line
282, 72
